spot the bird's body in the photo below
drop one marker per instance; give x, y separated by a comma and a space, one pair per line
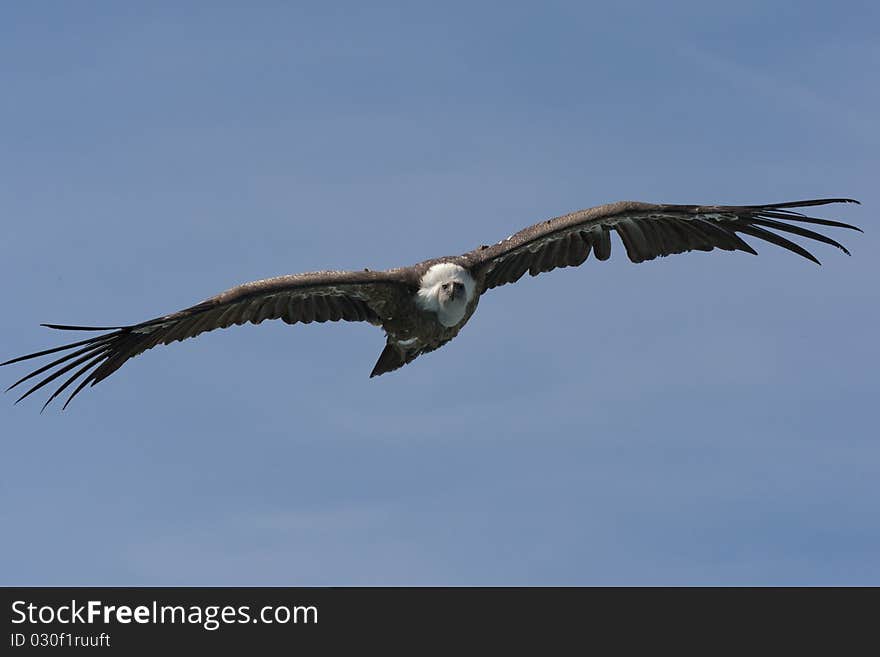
424, 306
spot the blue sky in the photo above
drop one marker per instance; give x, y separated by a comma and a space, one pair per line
701, 419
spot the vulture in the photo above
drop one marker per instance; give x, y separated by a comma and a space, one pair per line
422, 307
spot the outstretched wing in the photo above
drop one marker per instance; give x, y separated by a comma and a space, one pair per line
305, 298
647, 231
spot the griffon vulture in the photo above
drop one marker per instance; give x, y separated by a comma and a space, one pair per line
424, 306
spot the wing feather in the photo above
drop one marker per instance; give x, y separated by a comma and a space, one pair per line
648, 231
778, 240
519, 266
802, 232
601, 238
307, 310
578, 250
69, 366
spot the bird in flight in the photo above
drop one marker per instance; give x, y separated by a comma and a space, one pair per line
424, 306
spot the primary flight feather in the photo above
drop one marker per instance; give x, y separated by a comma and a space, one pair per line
424, 306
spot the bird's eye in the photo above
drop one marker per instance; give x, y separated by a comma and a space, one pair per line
446, 286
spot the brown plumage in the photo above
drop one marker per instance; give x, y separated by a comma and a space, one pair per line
424, 306
647, 231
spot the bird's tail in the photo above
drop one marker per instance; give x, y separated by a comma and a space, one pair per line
392, 358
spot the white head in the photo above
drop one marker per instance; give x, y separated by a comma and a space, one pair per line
446, 289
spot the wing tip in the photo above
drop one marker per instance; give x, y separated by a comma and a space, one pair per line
67, 327
94, 350
812, 201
